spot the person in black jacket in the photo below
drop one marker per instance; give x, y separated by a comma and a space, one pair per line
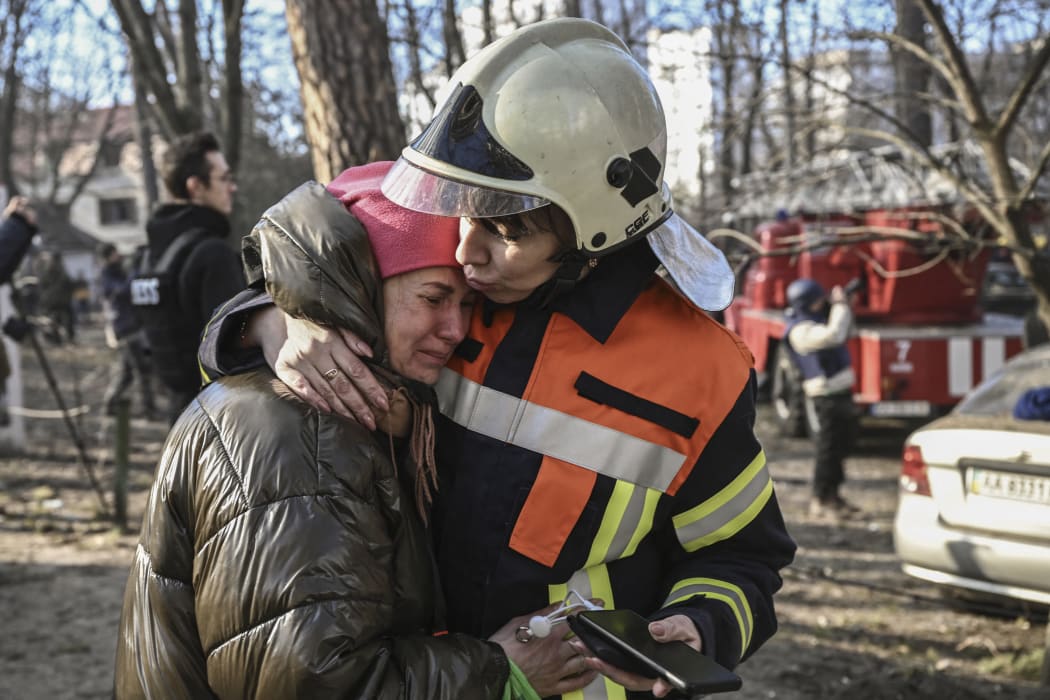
17, 228
16, 234
124, 333
189, 268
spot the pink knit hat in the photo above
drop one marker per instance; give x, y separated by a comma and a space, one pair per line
402, 240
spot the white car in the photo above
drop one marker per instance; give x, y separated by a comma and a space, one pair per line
974, 510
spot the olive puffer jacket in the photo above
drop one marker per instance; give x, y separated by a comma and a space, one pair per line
280, 555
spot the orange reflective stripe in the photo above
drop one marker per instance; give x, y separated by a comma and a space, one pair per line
554, 505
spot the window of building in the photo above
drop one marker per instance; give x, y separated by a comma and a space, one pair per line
118, 210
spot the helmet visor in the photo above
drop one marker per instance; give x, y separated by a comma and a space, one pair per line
420, 190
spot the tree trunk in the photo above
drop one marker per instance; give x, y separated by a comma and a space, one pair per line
144, 138
9, 93
789, 89
912, 74
233, 89
811, 67
347, 84
190, 95
454, 53
7, 126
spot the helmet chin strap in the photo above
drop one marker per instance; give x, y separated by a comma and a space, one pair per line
571, 264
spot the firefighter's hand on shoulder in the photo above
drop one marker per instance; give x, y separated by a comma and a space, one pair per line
320, 365
674, 628
20, 206
551, 663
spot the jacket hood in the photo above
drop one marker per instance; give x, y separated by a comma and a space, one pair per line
169, 220
315, 259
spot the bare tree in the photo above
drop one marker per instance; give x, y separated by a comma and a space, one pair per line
1001, 195
789, 84
162, 48
725, 32
912, 73
15, 27
52, 137
454, 54
347, 84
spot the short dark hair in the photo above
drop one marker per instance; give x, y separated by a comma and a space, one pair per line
105, 250
185, 157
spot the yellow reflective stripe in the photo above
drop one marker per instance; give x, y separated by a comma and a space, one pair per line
556, 593
727, 592
591, 582
728, 511
652, 496
611, 522
601, 587
628, 519
557, 434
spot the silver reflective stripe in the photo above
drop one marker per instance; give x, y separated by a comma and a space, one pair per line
632, 518
724, 591
728, 511
628, 519
556, 434
592, 582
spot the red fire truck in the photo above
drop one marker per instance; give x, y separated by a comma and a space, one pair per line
921, 339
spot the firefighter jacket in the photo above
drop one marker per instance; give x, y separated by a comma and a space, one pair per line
602, 444
281, 555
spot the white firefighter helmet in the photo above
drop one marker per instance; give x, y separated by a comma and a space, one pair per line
558, 111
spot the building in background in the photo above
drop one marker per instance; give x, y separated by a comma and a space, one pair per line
680, 65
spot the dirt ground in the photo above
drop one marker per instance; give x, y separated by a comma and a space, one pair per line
851, 625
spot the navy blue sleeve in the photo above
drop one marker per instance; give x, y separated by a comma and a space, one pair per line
729, 541
16, 234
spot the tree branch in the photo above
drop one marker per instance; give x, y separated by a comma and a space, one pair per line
1023, 91
911, 47
232, 13
82, 179
1028, 188
191, 104
963, 82
162, 21
148, 63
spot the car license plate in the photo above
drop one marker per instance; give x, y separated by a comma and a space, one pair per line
900, 409
1000, 484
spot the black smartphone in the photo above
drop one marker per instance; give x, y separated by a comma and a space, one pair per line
621, 638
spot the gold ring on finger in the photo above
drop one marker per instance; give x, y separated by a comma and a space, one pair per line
331, 374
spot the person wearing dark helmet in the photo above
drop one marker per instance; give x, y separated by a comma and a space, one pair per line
597, 426
284, 553
816, 334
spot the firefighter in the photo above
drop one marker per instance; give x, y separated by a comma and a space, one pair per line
816, 340
597, 430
